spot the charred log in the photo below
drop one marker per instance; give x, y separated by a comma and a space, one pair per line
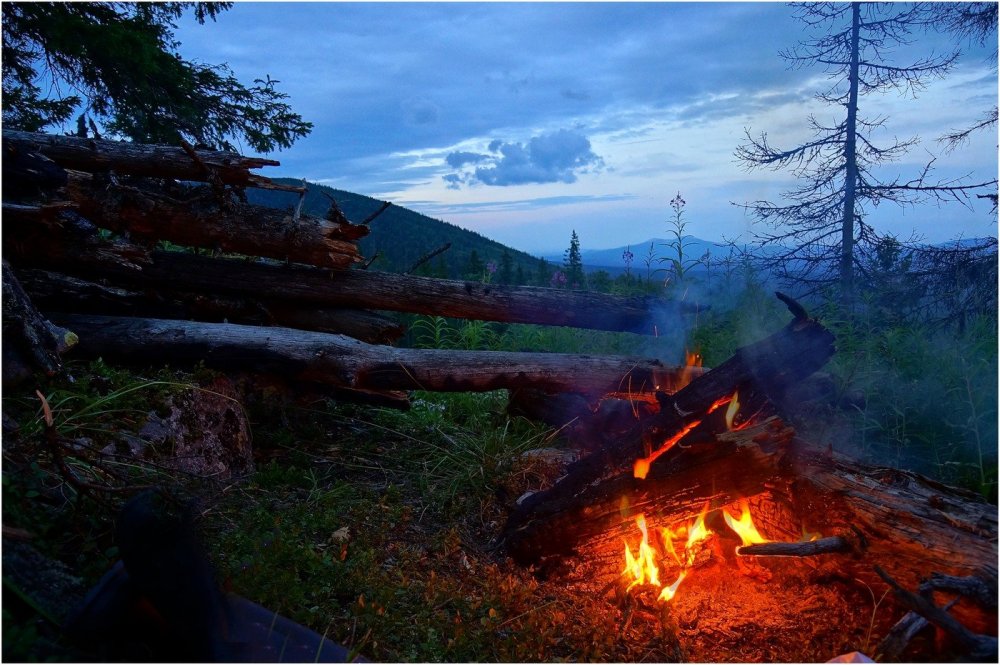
830, 545
771, 366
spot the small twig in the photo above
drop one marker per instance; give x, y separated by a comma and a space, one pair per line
979, 647
427, 257
830, 545
371, 217
366, 264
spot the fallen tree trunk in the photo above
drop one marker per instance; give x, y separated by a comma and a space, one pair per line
156, 161
205, 220
341, 361
401, 293
57, 292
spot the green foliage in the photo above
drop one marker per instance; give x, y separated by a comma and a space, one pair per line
121, 59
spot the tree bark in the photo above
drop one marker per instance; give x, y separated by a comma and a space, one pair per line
224, 225
31, 343
401, 293
341, 361
57, 292
155, 161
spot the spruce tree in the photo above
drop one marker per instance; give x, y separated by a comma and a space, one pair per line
573, 263
117, 65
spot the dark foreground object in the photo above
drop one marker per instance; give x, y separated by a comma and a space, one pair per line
161, 603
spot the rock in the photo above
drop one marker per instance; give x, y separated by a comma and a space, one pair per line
204, 432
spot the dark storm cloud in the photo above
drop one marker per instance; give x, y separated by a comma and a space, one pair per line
554, 157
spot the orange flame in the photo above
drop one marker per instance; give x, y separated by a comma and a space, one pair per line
643, 567
669, 592
744, 526
696, 534
692, 361
734, 407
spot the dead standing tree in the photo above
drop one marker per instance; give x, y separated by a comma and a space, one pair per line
823, 223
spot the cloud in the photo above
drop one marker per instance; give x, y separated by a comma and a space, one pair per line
459, 158
421, 112
558, 156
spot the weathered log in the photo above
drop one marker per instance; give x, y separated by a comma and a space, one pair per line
341, 361
157, 161
405, 293
57, 292
30, 341
206, 221
914, 526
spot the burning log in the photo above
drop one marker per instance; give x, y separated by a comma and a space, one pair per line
341, 361
830, 545
386, 291
771, 365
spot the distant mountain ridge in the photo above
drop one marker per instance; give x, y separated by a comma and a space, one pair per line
400, 237
613, 260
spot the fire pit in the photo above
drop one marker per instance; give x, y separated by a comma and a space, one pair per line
709, 515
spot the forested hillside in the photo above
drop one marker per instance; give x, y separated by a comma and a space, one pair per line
400, 237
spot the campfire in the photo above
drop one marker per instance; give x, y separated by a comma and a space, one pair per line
710, 489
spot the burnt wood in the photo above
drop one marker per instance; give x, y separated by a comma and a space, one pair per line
771, 366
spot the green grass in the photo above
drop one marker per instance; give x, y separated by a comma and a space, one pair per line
375, 526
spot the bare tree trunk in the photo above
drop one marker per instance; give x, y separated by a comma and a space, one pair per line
850, 167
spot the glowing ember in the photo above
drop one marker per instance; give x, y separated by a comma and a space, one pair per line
641, 467
643, 567
734, 407
744, 526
